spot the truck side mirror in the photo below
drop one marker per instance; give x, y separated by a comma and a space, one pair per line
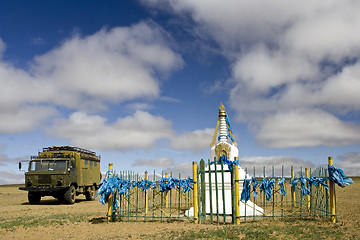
21, 165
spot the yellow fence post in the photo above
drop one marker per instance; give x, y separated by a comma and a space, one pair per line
307, 185
110, 200
293, 188
146, 195
237, 195
166, 194
195, 195
332, 196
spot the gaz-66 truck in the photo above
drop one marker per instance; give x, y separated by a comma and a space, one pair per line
62, 172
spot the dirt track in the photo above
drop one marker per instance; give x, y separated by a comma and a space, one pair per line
83, 220
86, 220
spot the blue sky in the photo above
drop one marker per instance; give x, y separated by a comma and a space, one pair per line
140, 82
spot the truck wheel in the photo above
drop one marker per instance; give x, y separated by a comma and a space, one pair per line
90, 195
70, 195
34, 198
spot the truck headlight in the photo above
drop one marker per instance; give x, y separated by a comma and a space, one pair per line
60, 181
28, 182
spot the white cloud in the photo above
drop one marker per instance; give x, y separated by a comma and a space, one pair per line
277, 161
306, 128
139, 106
342, 89
349, 163
4, 159
170, 99
10, 177
272, 69
194, 141
24, 119
238, 23
139, 131
328, 32
184, 169
17, 87
286, 57
85, 73
111, 65
2, 47
159, 162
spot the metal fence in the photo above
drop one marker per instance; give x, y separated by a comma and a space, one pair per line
214, 200
151, 205
291, 203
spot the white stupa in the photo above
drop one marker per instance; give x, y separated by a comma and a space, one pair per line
223, 145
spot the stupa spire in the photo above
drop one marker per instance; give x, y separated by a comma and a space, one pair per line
225, 131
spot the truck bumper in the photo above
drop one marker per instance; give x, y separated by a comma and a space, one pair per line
43, 189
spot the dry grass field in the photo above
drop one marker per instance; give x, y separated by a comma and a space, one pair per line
86, 220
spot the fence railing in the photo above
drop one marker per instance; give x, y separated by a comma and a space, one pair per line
157, 197
285, 201
216, 194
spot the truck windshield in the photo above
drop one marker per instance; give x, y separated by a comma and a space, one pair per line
47, 165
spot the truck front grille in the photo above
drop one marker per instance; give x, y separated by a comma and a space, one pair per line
44, 179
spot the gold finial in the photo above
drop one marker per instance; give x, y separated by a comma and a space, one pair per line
222, 108
222, 111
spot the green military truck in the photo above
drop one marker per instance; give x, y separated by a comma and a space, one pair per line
62, 172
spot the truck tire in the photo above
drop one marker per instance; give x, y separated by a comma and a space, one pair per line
70, 195
34, 198
90, 195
